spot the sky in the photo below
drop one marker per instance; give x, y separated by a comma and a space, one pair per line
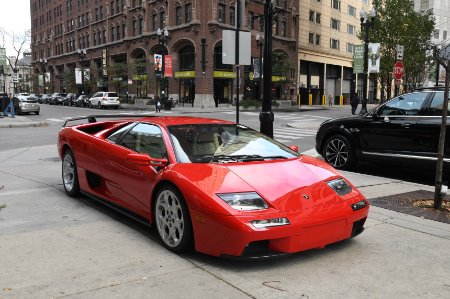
14, 17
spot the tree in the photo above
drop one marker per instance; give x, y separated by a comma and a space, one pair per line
17, 41
118, 76
398, 24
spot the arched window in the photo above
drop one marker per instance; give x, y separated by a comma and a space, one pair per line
218, 65
221, 11
162, 18
233, 14
141, 24
154, 20
187, 58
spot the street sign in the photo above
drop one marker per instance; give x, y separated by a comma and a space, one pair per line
399, 70
400, 52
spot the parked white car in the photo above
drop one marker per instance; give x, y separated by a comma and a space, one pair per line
104, 99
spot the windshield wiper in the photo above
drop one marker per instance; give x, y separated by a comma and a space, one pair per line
243, 158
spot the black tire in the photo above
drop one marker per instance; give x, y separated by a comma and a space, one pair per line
99, 105
70, 174
338, 152
37, 112
172, 220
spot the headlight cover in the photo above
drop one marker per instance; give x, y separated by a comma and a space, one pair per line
247, 201
340, 186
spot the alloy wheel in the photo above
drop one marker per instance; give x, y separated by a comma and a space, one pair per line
170, 219
337, 153
68, 172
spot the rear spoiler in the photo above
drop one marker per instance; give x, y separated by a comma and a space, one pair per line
93, 118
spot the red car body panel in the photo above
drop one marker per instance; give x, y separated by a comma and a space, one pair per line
294, 188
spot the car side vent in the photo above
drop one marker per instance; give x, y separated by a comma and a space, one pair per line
93, 179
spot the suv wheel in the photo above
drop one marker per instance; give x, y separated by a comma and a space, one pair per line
338, 152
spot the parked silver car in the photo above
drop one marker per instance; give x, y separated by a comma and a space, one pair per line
25, 103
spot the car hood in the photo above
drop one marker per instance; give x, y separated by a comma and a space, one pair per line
287, 185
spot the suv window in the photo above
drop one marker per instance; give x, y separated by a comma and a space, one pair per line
98, 94
408, 104
436, 105
112, 94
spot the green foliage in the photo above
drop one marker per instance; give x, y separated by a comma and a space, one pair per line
398, 24
69, 80
249, 103
118, 76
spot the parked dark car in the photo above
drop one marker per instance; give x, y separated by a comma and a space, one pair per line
404, 129
57, 98
69, 99
45, 99
82, 101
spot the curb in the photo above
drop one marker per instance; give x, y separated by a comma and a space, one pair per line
24, 125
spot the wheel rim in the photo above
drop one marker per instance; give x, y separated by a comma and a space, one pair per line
68, 172
337, 153
169, 218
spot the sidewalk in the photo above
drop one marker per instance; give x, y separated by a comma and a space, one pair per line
19, 121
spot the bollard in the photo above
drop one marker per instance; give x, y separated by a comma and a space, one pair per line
324, 100
341, 100
298, 101
310, 99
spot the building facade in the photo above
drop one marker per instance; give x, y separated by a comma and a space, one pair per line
327, 37
116, 46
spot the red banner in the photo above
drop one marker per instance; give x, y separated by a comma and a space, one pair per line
168, 66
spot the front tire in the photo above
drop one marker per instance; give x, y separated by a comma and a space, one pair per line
172, 220
70, 174
338, 152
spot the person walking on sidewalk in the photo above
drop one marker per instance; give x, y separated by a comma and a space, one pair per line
330, 100
354, 101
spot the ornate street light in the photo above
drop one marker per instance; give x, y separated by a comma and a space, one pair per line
163, 36
367, 21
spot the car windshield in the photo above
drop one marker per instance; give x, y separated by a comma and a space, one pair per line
224, 143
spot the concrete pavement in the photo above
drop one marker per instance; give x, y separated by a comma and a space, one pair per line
54, 246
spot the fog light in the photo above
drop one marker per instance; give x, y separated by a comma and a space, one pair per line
270, 222
359, 205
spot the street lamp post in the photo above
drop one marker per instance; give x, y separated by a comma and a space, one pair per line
266, 116
163, 36
367, 21
82, 56
259, 45
43, 63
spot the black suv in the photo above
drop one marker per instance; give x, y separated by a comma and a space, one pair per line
406, 128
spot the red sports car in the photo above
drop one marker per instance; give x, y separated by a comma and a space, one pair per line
213, 185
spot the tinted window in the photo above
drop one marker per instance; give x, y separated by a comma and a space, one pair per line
437, 103
145, 139
116, 135
112, 94
407, 104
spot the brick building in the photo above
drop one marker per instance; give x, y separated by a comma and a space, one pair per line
114, 42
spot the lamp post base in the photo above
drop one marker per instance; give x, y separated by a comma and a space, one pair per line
266, 127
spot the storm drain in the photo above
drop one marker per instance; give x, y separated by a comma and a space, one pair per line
403, 203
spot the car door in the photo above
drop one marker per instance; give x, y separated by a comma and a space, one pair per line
430, 128
128, 184
393, 128
95, 98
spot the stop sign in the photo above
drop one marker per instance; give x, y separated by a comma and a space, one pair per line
399, 70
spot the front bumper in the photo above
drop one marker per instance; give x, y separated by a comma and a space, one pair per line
29, 108
235, 236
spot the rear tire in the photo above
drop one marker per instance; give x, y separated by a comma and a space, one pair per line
70, 174
99, 105
172, 220
338, 152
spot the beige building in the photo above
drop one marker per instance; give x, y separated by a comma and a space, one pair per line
327, 35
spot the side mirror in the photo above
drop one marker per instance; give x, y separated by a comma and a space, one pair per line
294, 148
146, 160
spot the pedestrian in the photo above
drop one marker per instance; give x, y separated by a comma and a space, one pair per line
157, 105
354, 101
330, 100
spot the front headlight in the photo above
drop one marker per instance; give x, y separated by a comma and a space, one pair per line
340, 186
248, 201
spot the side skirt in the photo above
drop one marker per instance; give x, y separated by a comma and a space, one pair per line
118, 208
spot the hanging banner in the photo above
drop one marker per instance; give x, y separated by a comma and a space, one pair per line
257, 68
78, 76
158, 63
374, 58
104, 63
168, 66
358, 59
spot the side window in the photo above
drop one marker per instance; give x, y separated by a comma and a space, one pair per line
145, 139
116, 135
437, 103
96, 95
407, 104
